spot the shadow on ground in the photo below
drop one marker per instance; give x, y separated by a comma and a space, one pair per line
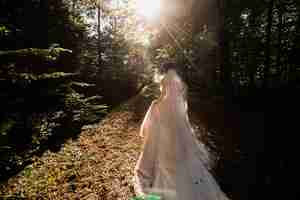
254, 137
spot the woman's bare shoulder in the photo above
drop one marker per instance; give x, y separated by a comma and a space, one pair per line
153, 105
155, 102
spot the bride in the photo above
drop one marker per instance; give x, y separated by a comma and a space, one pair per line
172, 164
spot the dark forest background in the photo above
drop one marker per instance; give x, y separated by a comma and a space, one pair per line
59, 72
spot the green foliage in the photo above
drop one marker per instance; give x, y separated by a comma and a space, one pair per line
39, 78
33, 53
6, 126
3, 30
259, 43
254, 46
83, 109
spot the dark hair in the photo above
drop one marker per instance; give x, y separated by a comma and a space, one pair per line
163, 83
174, 66
167, 66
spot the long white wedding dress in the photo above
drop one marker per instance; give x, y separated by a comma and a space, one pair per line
172, 163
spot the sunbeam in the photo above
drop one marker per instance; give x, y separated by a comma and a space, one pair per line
148, 9
178, 45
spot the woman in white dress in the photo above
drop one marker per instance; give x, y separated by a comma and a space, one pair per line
172, 163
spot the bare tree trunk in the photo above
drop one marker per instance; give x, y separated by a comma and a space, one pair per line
268, 43
221, 40
292, 55
99, 33
74, 7
279, 40
207, 19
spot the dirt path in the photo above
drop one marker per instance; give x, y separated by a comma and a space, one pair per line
97, 165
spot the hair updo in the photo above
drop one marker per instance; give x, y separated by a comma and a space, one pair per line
168, 66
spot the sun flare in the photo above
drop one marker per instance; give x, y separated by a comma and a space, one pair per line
148, 8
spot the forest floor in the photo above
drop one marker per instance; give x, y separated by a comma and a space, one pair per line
99, 164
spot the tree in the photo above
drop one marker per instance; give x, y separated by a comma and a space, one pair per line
40, 79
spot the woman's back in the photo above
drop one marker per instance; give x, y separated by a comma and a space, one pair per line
177, 169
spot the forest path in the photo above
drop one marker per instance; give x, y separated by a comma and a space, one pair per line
98, 164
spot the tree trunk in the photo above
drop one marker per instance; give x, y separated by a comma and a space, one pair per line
293, 56
74, 7
99, 33
279, 41
206, 18
268, 43
221, 34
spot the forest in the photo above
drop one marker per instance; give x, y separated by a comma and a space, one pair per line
76, 78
